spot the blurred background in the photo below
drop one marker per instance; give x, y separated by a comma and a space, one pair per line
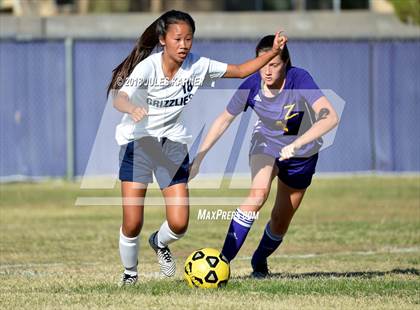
407, 9
56, 59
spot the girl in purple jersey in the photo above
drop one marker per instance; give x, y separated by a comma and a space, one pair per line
152, 145
293, 115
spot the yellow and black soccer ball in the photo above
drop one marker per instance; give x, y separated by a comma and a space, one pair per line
206, 268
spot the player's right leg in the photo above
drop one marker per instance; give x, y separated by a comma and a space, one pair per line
135, 174
263, 171
133, 195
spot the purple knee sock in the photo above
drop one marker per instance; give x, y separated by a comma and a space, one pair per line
236, 235
268, 244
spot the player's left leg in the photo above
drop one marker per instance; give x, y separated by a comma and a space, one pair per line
172, 172
174, 228
288, 200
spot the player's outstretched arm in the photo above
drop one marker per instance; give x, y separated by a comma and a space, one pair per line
122, 103
217, 129
253, 65
327, 119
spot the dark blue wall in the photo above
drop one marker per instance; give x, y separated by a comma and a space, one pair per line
379, 81
32, 108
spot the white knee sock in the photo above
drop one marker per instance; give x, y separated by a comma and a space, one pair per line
166, 236
129, 248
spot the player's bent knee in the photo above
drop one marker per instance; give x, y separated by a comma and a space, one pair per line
258, 197
179, 228
132, 229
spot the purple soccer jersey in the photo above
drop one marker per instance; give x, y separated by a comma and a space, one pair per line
283, 118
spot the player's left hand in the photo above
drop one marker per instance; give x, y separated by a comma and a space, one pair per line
289, 151
279, 41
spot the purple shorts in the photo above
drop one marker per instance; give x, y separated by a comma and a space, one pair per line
297, 172
294, 172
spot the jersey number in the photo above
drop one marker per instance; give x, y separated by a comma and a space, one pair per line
187, 87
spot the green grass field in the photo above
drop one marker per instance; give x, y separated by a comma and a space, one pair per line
355, 243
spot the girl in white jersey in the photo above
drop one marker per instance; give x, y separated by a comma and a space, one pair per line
152, 89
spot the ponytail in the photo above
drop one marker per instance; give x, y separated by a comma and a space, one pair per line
143, 48
146, 44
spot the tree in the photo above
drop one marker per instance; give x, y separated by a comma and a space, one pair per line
407, 10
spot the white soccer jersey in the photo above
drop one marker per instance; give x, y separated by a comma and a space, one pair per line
164, 99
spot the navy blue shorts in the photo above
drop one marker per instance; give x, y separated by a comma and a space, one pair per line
297, 172
294, 172
166, 159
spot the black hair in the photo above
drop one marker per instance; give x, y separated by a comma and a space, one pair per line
266, 44
146, 44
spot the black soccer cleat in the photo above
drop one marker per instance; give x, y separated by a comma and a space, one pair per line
259, 269
166, 261
127, 280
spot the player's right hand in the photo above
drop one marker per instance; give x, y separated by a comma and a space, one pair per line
138, 113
